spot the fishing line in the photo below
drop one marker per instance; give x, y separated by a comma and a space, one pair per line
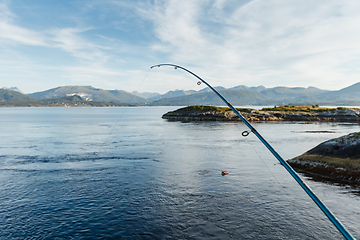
208, 93
274, 176
122, 114
185, 75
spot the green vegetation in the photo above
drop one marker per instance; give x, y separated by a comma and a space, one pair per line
201, 108
338, 169
335, 169
9, 95
312, 109
348, 163
356, 134
205, 108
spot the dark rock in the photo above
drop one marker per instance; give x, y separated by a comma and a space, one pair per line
337, 158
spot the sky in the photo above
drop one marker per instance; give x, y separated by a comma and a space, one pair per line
111, 44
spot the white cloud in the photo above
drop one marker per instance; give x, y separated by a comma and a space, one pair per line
12, 34
69, 40
269, 42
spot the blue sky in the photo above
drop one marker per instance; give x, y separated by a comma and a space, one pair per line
111, 44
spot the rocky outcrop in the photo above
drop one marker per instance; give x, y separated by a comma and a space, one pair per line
223, 114
337, 159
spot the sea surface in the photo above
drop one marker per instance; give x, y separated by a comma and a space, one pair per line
126, 173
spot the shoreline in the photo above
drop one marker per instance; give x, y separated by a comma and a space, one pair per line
340, 172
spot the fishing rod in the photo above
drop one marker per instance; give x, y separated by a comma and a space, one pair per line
297, 178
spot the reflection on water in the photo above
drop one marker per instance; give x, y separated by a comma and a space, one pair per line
353, 187
80, 173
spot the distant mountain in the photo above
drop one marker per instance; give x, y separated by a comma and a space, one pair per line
217, 88
273, 93
240, 96
346, 96
11, 98
285, 92
146, 95
353, 89
172, 94
91, 94
313, 88
180, 93
75, 101
349, 93
13, 89
10, 95
271, 96
251, 89
236, 97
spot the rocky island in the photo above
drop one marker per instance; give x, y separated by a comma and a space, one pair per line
337, 159
282, 113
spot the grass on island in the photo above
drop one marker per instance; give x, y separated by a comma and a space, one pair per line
310, 109
355, 135
206, 108
348, 163
201, 108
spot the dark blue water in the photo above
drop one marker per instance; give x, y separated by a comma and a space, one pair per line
125, 173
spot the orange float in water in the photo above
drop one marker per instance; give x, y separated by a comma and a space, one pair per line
224, 173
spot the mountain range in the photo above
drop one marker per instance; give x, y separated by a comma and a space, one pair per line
240, 96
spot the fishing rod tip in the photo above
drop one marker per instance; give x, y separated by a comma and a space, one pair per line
155, 66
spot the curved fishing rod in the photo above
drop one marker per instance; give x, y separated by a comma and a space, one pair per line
301, 182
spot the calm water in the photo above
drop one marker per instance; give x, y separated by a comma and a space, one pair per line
125, 173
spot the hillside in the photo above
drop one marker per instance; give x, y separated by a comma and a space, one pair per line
146, 95
74, 101
91, 94
236, 97
240, 95
288, 93
13, 89
171, 94
251, 89
10, 95
9, 98
243, 95
351, 93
